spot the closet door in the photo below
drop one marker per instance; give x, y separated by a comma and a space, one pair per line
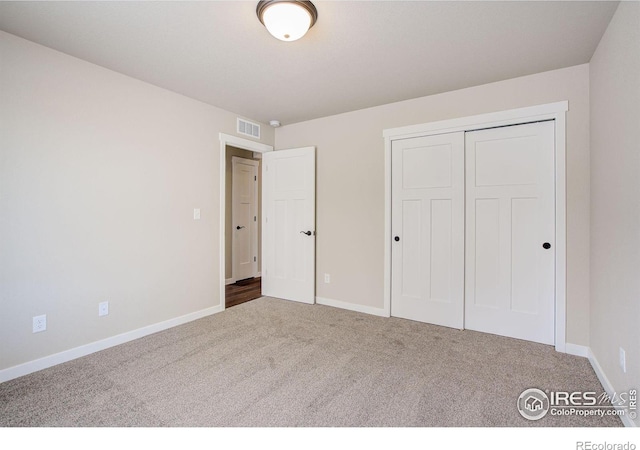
510, 230
428, 229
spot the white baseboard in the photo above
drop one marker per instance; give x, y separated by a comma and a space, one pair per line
351, 306
577, 350
84, 350
606, 384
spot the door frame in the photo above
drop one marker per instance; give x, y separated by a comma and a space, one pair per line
245, 144
551, 111
235, 160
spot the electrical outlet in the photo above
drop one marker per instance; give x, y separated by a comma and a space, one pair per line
103, 308
623, 360
327, 278
39, 323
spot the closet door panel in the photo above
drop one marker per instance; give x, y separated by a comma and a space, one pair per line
428, 229
510, 231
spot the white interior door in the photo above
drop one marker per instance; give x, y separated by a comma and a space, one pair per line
428, 229
288, 202
510, 229
244, 212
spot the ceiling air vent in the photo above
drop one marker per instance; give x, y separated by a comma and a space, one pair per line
248, 128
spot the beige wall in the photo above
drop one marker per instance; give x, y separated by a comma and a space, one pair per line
99, 176
231, 152
615, 196
350, 181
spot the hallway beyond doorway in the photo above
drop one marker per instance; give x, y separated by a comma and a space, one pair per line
243, 291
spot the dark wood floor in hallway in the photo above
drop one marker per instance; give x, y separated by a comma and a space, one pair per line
243, 291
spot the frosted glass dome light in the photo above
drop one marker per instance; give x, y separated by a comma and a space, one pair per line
287, 20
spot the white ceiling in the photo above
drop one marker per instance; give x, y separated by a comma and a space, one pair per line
359, 53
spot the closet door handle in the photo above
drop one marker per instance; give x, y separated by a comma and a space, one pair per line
308, 233
239, 227
546, 245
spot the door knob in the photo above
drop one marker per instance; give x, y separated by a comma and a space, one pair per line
397, 238
308, 233
546, 245
239, 227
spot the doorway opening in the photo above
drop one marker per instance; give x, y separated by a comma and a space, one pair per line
243, 224
240, 220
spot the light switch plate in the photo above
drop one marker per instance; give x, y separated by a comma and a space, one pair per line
196, 214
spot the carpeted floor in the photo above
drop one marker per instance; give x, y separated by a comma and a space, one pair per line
271, 362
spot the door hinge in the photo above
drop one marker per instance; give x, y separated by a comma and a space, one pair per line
254, 219
255, 178
254, 259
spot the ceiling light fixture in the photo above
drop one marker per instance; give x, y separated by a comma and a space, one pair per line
287, 20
